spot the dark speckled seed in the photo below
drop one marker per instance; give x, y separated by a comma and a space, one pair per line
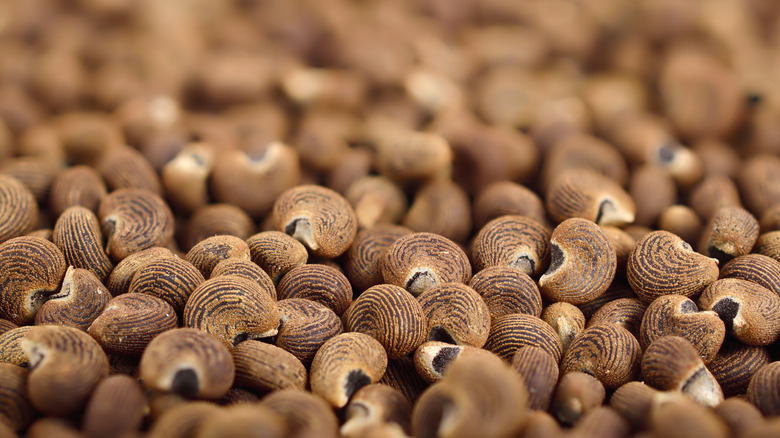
320, 283
608, 352
507, 290
171, 279
21, 213
363, 264
735, 364
456, 313
515, 241
209, 252
540, 373
79, 301
277, 253
731, 232
756, 268
510, 332
77, 234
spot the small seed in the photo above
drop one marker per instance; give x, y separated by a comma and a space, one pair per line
21, 213
441, 207
566, 319
169, 278
540, 374
373, 405
456, 314
377, 201
515, 241
625, 312
577, 394
277, 253
712, 194
607, 352
507, 198
320, 283
79, 301
510, 332
363, 264
582, 193
763, 389
304, 326
77, 185
304, 412
507, 290
735, 364
209, 252
122, 275
215, 220
77, 234
731, 232
749, 310
756, 268
15, 408
266, 367
116, 407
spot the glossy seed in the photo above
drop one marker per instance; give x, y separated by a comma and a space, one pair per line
419, 261
625, 312
731, 232
77, 234
320, 283
757, 268
266, 367
582, 263
65, 364
130, 321
169, 278
232, 308
116, 406
304, 326
119, 281
31, 271
510, 332
586, 194
577, 394
363, 264
189, 362
515, 241
79, 301
390, 315
609, 353
441, 207
207, 253
671, 363
749, 310
277, 253
432, 358
507, 198
540, 374
15, 408
663, 264
318, 217
374, 405
77, 185
735, 364
214, 220
456, 314
305, 414
344, 364
676, 315
21, 211
566, 319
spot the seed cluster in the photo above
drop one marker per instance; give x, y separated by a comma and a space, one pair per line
409, 218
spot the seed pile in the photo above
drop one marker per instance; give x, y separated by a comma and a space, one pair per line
493, 218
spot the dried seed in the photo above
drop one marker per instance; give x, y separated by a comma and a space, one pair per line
763, 389
456, 314
266, 367
566, 319
169, 278
735, 364
510, 332
79, 301
15, 409
441, 207
609, 353
304, 326
515, 241
749, 310
77, 234
116, 406
373, 405
78, 185
507, 198
122, 275
582, 193
507, 290
215, 220
577, 394
625, 312
756, 268
540, 374
363, 264
21, 211
320, 283
731, 232
377, 201
207, 254
304, 412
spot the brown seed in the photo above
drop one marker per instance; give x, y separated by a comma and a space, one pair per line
374, 405
586, 194
419, 261
617, 290
749, 310
735, 364
322, 134
189, 362
770, 220
318, 217
602, 421
266, 367
653, 190
320, 283
409, 156
344, 364
304, 326
671, 363
134, 220
507, 290
185, 177
582, 263
681, 220
515, 241
277, 253
717, 157
20, 213
122, 275
441, 207
731, 232
52, 426
392, 316
36, 173
182, 420
676, 315
507, 198
662, 264
77, 185
402, 375
214, 220
353, 165
712, 194
577, 394
303, 412
130, 321
456, 314
757, 180
433, 358
763, 389
124, 167
116, 407
66, 365
739, 415
77, 234
308, 86
363, 263
757, 268
376, 201
15, 409
32, 269
583, 151
540, 374
233, 309
238, 419
79, 301
510, 332
634, 401
209, 252
768, 244
169, 278
680, 417
623, 243
625, 312
540, 424
566, 319
10, 349
609, 353
6, 325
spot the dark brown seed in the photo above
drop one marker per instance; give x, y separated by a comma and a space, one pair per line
515, 241
540, 374
625, 312
232, 308
662, 264
77, 185
456, 314
441, 207
248, 270
510, 332
304, 326
277, 253
79, 301
768, 244
32, 269
757, 268
169, 278
419, 261
20, 212
189, 362
608, 352
209, 252
215, 220
15, 408
266, 367
735, 364
507, 290
586, 194
115, 407
617, 290
77, 234
320, 283
577, 394
676, 315
507, 198
119, 281
130, 321
749, 310
6, 325
731, 232
763, 389
363, 264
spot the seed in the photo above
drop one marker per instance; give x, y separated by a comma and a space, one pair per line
66, 366
266, 367
181, 419
77, 234
507, 198
759, 269
207, 254
680, 417
374, 405
731, 232
169, 278
320, 283
377, 201
15, 409
318, 217
735, 364
455, 314
10, 349
653, 190
510, 332
681, 220
566, 319
214, 220
122, 275
304, 412
32, 269
124, 167
583, 151
763, 389
663, 264
507, 290
277, 253
757, 181
6, 325
189, 362
35, 173
433, 358
739, 415
671, 363
409, 156
304, 326
402, 375
675, 315
515, 241
237, 419
540, 374
607, 352
768, 244
116, 407
441, 207
749, 311
344, 364
21, 212
582, 263
634, 401
79, 301
577, 394
363, 264
602, 421
129, 322
78, 185
582, 193
233, 309
712, 194
623, 243
625, 312
419, 261
185, 177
